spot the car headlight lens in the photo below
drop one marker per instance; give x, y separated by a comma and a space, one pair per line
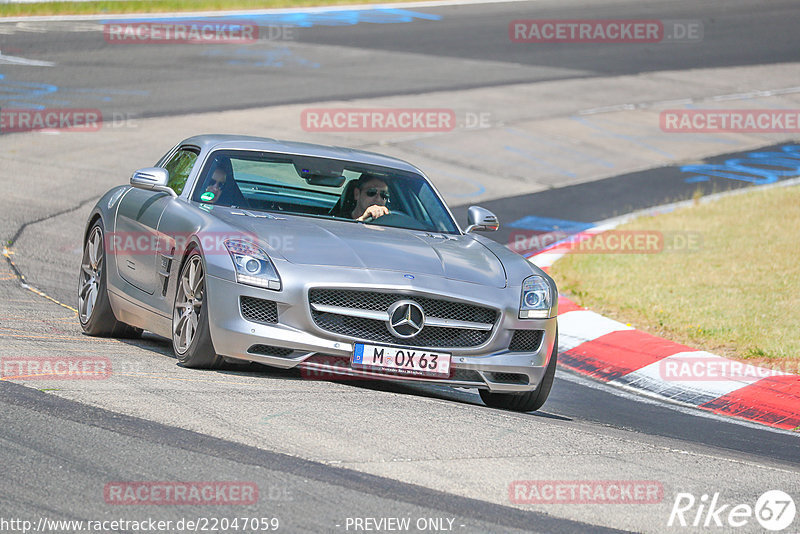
536, 298
253, 266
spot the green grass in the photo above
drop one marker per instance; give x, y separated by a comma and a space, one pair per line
157, 6
737, 294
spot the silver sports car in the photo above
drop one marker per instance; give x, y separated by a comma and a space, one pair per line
337, 261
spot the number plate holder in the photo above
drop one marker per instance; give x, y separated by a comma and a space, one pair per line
401, 360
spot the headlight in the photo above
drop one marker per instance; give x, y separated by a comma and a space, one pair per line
536, 299
253, 266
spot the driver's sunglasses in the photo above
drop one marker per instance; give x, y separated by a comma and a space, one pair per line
218, 183
374, 191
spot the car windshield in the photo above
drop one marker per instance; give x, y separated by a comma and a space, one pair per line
320, 187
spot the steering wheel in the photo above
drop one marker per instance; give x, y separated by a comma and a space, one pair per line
370, 218
396, 219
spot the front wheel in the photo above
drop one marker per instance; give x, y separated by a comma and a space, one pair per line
191, 336
526, 402
94, 309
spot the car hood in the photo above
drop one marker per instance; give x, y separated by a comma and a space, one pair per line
309, 241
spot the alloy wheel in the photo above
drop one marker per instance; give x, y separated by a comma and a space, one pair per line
188, 303
91, 271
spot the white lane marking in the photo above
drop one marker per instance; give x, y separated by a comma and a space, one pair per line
14, 60
10, 28
686, 101
246, 12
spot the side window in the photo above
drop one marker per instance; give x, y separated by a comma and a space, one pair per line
179, 168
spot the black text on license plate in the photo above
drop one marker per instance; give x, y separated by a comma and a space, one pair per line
401, 360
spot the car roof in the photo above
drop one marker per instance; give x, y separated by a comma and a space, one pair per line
209, 142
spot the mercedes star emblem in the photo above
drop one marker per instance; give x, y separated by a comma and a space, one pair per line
406, 318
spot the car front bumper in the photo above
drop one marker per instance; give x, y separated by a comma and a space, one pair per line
295, 340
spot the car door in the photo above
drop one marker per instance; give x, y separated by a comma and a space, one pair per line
136, 231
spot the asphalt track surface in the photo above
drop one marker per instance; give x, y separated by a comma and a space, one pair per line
63, 477
469, 47
617, 195
291, 485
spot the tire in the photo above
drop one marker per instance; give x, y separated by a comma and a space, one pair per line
94, 309
191, 336
525, 402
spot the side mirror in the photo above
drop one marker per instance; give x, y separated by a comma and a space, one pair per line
152, 179
481, 220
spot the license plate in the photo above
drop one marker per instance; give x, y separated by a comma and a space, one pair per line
401, 360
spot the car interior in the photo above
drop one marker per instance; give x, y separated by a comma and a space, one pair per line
304, 186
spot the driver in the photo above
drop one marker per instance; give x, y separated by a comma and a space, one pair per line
370, 194
215, 186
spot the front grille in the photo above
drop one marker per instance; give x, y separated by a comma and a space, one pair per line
372, 300
269, 350
376, 330
259, 310
525, 340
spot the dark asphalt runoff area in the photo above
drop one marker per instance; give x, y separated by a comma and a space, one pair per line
96, 447
404, 57
607, 198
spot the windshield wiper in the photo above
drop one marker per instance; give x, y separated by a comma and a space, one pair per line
260, 215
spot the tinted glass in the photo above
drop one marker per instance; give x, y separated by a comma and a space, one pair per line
319, 187
179, 168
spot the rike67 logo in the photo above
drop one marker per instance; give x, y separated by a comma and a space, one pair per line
774, 510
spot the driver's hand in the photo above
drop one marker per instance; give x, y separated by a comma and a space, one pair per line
374, 212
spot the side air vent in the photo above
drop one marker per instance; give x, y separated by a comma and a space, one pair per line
525, 341
259, 310
269, 350
508, 378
